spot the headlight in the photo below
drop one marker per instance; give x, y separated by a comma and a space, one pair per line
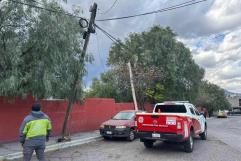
102, 126
120, 127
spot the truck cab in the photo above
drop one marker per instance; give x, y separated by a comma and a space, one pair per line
175, 121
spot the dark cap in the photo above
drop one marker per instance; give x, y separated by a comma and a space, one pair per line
36, 107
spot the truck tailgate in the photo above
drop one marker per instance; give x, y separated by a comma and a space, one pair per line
158, 122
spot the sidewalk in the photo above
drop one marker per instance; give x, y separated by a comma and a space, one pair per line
10, 151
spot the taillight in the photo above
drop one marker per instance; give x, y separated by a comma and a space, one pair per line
185, 129
140, 119
179, 125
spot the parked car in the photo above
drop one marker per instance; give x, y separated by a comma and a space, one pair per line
235, 111
175, 121
121, 125
222, 114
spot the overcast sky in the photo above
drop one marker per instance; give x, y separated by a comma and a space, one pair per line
211, 29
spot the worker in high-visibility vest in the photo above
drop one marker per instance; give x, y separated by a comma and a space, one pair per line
34, 132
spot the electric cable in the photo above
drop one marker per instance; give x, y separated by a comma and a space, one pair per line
108, 10
47, 9
181, 5
98, 50
112, 38
107, 34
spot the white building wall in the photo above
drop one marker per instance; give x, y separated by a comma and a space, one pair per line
234, 101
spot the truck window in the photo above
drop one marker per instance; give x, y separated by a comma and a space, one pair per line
196, 111
171, 109
192, 111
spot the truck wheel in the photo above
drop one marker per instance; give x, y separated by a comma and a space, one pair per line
131, 136
188, 145
204, 134
148, 144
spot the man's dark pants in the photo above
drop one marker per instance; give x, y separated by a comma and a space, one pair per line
28, 152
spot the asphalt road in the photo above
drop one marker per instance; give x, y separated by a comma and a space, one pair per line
227, 130
223, 144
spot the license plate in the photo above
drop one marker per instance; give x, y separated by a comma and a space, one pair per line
154, 135
109, 132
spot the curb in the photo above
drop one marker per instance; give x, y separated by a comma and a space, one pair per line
54, 147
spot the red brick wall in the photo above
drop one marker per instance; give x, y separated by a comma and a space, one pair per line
84, 117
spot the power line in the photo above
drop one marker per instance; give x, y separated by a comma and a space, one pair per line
46, 9
184, 4
129, 64
112, 38
107, 34
118, 41
115, 40
108, 10
98, 50
181, 5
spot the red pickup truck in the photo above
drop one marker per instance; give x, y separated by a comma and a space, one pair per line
174, 121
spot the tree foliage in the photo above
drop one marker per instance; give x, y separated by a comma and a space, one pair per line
40, 51
109, 86
212, 97
156, 93
157, 60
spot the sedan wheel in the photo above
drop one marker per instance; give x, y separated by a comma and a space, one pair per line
131, 136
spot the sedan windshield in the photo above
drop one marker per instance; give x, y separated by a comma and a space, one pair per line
124, 116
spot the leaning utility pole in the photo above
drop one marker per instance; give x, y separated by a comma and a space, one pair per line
79, 71
132, 86
91, 28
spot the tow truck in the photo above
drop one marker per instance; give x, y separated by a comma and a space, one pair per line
171, 121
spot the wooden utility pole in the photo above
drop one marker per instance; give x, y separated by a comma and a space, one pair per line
132, 86
72, 98
91, 28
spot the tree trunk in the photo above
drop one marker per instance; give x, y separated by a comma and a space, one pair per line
66, 119
70, 105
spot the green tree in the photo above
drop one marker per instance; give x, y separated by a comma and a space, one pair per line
156, 93
40, 52
157, 51
212, 97
163, 69
109, 86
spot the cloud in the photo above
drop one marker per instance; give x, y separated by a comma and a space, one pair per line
206, 59
231, 41
233, 84
210, 29
229, 72
222, 63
